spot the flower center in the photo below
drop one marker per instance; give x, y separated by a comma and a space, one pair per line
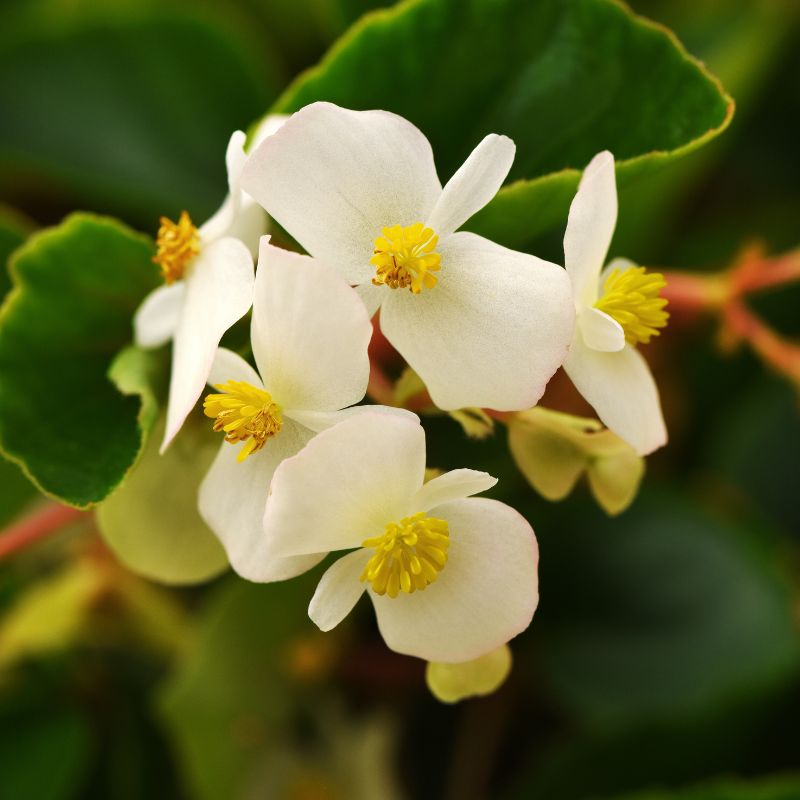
409, 555
245, 414
177, 244
405, 257
632, 298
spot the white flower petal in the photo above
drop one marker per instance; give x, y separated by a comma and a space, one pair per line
590, 228
239, 216
334, 178
310, 333
346, 485
272, 123
621, 389
599, 331
230, 366
491, 332
232, 500
454, 485
235, 158
371, 296
339, 590
475, 183
219, 291
319, 421
157, 317
220, 224
485, 595
249, 225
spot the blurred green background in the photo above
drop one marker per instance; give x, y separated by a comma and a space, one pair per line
664, 660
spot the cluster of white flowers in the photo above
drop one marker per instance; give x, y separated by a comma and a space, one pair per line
303, 471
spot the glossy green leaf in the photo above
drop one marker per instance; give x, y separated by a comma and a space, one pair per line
77, 287
663, 612
125, 113
151, 522
563, 78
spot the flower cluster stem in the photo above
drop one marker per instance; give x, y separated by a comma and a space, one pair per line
724, 294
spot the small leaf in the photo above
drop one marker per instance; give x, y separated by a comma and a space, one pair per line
481, 676
563, 78
408, 385
553, 450
475, 422
151, 522
76, 288
51, 615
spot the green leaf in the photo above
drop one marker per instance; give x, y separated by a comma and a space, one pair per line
605, 764
761, 420
563, 78
142, 373
663, 612
16, 491
246, 677
125, 112
61, 418
44, 755
14, 230
777, 788
51, 614
165, 541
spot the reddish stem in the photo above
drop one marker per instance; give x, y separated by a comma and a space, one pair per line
779, 353
694, 293
38, 525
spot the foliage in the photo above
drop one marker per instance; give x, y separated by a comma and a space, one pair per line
664, 660
76, 288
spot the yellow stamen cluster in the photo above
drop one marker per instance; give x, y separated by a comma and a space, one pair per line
632, 298
409, 555
405, 257
245, 414
177, 243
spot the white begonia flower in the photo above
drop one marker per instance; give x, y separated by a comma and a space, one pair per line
208, 277
451, 577
309, 335
617, 308
482, 325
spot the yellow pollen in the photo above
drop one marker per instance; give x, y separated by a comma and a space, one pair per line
245, 414
177, 244
409, 555
632, 298
405, 257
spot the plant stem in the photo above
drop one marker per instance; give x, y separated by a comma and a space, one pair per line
38, 525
